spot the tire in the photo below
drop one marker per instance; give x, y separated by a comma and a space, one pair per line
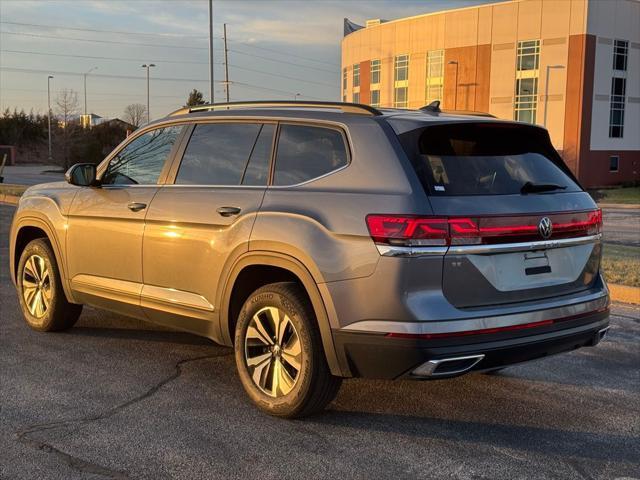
42, 299
280, 388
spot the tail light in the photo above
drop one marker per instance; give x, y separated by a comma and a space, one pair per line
408, 230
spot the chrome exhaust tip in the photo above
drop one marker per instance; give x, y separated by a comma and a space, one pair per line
603, 333
447, 366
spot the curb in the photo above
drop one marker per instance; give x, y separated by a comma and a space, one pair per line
624, 293
620, 205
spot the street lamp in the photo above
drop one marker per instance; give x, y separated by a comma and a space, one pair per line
455, 95
295, 97
148, 66
85, 87
546, 92
49, 116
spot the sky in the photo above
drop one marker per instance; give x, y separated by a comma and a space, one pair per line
276, 49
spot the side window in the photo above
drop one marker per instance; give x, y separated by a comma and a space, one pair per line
140, 162
306, 152
218, 153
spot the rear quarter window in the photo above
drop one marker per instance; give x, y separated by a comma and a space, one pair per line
307, 152
484, 159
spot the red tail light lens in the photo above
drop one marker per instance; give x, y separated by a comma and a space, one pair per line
405, 230
415, 231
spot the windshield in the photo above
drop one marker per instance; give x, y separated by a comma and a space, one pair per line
486, 159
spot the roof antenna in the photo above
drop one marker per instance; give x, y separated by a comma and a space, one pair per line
432, 107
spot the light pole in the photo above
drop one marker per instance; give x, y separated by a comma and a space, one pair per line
295, 98
210, 51
148, 66
455, 94
546, 92
49, 116
85, 88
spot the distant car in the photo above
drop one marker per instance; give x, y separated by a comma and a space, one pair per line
324, 241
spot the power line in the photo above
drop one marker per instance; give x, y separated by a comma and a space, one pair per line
92, 94
62, 37
115, 42
96, 30
131, 77
283, 53
159, 60
261, 57
262, 72
282, 76
103, 75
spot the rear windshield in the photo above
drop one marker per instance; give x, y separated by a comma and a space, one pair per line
485, 159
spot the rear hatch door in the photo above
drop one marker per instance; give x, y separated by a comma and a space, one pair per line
520, 226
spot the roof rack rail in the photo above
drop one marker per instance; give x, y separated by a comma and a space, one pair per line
345, 107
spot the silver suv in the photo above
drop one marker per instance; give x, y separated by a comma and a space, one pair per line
325, 241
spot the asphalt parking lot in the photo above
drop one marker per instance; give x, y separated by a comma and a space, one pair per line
116, 398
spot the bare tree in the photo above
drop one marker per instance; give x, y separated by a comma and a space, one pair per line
67, 108
135, 114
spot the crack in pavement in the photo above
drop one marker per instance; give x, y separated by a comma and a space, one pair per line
84, 466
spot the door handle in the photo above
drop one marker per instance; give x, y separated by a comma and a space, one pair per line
136, 206
228, 211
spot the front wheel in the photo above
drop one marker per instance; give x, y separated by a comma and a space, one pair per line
44, 305
279, 353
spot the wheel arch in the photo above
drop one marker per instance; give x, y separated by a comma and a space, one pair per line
290, 269
32, 228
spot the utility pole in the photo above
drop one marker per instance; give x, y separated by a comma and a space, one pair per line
148, 66
211, 51
85, 91
49, 116
226, 63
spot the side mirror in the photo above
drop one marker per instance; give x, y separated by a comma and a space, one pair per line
82, 175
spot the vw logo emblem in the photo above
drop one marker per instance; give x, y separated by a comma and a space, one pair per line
545, 228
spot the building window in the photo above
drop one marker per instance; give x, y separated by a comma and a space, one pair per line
528, 55
620, 54
401, 81
356, 97
401, 68
375, 71
527, 72
400, 97
526, 100
616, 111
435, 75
614, 163
375, 98
344, 81
356, 75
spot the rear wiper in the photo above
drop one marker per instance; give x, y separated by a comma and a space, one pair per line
540, 187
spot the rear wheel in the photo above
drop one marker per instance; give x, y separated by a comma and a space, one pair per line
44, 305
279, 353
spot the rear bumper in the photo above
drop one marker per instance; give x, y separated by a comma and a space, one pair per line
377, 355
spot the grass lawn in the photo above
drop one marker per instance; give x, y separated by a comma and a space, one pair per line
11, 189
621, 264
617, 195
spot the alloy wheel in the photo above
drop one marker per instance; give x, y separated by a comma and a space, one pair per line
36, 286
273, 352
